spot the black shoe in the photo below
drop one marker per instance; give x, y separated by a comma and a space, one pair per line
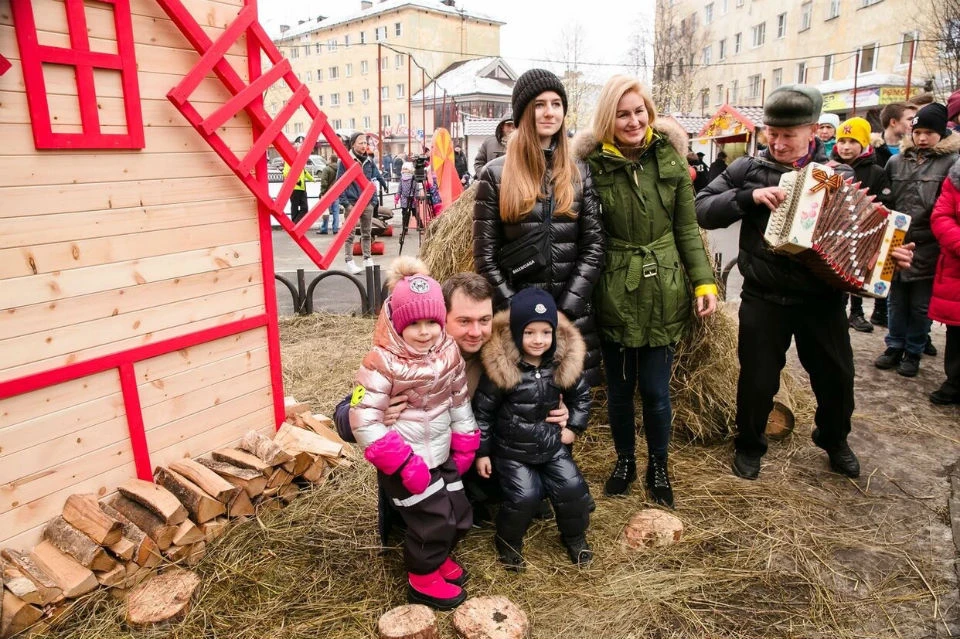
579, 550
941, 397
878, 319
891, 358
544, 511
658, 482
929, 348
482, 518
509, 555
909, 366
624, 474
321, 232
842, 459
860, 324
745, 465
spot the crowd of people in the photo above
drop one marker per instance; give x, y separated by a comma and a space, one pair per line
589, 258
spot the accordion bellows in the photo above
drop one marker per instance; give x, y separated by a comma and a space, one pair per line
837, 229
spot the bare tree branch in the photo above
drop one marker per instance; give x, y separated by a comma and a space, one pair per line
677, 49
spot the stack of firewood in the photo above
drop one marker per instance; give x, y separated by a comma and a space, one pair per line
148, 526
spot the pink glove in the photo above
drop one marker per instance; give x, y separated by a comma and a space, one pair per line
463, 449
415, 475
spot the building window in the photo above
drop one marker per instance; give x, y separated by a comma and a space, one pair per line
722, 49
294, 53
801, 72
384, 63
777, 77
806, 15
719, 99
331, 44
364, 67
381, 33
320, 100
753, 82
734, 89
353, 123
707, 52
827, 67
906, 43
318, 48
363, 37
400, 92
348, 70
781, 25
398, 61
384, 93
309, 75
739, 3
336, 124
868, 58
334, 73
346, 41
759, 34
708, 13
334, 99
386, 121
306, 50
723, 7
402, 119
834, 9
298, 127
397, 29
737, 43
366, 122
349, 97
365, 95
319, 75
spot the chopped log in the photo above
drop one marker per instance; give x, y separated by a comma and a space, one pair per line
490, 618
114, 578
197, 552
187, 533
317, 472
146, 520
339, 462
242, 459
176, 554
293, 408
201, 506
156, 499
781, 421
264, 448
252, 481
301, 462
23, 588
241, 506
213, 529
296, 439
76, 544
146, 552
49, 591
288, 493
16, 615
651, 528
123, 549
268, 504
163, 598
83, 513
212, 483
278, 478
71, 577
323, 426
138, 575
413, 621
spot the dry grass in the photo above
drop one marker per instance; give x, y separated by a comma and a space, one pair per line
772, 558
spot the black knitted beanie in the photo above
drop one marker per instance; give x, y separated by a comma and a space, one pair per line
530, 85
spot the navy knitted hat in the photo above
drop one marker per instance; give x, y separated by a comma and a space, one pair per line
531, 305
530, 85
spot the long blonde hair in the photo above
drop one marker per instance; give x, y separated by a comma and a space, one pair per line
605, 115
525, 167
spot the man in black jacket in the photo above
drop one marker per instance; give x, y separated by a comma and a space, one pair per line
782, 299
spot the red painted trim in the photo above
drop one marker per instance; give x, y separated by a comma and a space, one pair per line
69, 372
245, 97
138, 434
4, 65
254, 68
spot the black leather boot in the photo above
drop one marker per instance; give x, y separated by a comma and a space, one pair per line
624, 474
510, 555
658, 481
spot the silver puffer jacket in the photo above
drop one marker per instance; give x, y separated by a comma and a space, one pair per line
435, 384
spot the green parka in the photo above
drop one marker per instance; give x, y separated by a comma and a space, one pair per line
653, 245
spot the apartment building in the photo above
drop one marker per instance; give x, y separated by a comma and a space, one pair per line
857, 52
372, 61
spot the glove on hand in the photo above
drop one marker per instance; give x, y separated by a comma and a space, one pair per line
415, 474
463, 448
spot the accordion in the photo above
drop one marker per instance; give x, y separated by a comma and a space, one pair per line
836, 229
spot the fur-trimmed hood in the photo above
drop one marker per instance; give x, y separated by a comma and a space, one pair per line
947, 145
585, 142
954, 173
502, 361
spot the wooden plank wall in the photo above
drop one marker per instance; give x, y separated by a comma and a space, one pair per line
103, 251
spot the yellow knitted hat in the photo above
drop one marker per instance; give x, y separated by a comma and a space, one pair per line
856, 129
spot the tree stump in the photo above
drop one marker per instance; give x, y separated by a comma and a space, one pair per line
651, 528
490, 618
413, 621
166, 597
781, 421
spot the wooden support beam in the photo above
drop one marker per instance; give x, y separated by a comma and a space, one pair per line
201, 506
264, 448
83, 512
212, 483
147, 521
49, 591
252, 481
71, 541
155, 498
71, 577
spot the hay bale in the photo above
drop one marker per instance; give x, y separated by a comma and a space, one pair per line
448, 242
651, 528
413, 621
490, 618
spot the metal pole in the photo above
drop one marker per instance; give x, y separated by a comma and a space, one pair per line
423, 103
856, 75
763, 91
913, 47
379, 99
443, 110
409, 100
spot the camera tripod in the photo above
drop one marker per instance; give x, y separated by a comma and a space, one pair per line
421, 207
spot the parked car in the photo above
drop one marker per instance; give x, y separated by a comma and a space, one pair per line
316, 165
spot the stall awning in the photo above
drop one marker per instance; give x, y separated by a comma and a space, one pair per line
730, 124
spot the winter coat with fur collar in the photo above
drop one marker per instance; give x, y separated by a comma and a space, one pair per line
513, 399
945, 222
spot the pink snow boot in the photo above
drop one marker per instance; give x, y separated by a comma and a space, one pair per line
452, 572
431, 590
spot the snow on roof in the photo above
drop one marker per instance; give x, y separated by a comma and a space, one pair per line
490, 76
311, 25
480, 126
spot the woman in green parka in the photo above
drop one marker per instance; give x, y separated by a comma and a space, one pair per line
653, 255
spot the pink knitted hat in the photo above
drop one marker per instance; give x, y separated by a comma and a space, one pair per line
414, 298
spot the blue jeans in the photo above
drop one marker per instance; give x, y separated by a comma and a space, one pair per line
907, 321
646, 369
335, 212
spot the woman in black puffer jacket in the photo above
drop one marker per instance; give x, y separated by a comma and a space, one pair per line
538, 185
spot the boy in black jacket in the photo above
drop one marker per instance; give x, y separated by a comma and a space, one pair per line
534, 357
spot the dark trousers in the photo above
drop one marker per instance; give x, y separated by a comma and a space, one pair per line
298, 205
436, 519
856, 304
646, 370
823, 344
907, 323
524, 486
951, 361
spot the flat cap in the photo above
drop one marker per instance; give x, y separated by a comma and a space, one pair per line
792, 105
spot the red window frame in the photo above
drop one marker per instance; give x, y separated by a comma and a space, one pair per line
79, 55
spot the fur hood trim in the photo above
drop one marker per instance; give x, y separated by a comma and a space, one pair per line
949, 144
501, 357
876, 140
585, 142
955, 173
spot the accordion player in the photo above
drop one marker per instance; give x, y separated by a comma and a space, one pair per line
837, 229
